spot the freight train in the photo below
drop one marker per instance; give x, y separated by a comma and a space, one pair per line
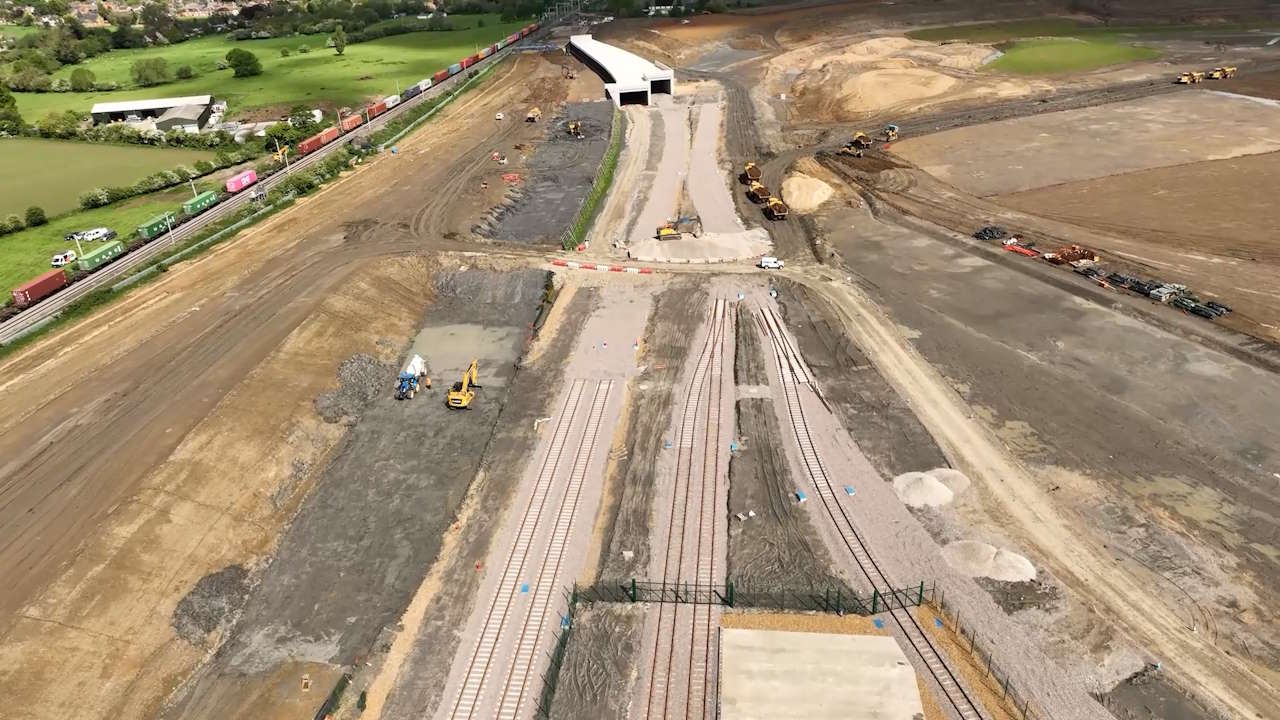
356, 119
44, 285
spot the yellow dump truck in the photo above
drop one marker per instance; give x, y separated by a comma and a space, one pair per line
1220, 73
758, 193
1190, 78
750, 173
776, 209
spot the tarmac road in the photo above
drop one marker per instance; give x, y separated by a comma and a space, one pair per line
103, 412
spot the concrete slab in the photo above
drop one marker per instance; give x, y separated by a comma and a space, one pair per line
774, 675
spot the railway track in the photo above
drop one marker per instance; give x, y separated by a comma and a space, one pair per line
692, 541
793, 374
496, 628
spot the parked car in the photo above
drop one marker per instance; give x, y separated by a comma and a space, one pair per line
93, 235
769, 262
63, 258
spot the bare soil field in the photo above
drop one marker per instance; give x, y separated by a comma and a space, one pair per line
1167, 482
1202, 224
600, 668
361, 544
1263, 85
142, 513
1034, 152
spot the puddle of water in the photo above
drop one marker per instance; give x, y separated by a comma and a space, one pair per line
449, 349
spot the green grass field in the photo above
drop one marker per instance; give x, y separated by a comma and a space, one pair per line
55, 172
1039, 57
25, 254
320, 77
17, 31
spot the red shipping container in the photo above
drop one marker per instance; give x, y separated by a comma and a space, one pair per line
311, 144
240, 181
377, 109
351, 122
440, 77
493, 48
329, 134
39, 287
467, 62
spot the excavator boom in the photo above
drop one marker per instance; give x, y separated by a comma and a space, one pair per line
463, 392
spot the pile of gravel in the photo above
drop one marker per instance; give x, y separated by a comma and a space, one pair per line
361, 378
934, 488
211, 604
978, 559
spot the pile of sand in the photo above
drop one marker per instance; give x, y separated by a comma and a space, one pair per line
803, 193
917, 490
838, 81
930, 489
978, 559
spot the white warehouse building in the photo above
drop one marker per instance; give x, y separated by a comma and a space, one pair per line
628, 78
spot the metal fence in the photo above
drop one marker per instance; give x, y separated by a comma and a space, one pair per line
996, 678
551, 677
836, 600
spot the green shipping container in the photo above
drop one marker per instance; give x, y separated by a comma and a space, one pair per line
100, 256
204, 200
156, 226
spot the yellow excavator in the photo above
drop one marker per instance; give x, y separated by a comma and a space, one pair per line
463, 392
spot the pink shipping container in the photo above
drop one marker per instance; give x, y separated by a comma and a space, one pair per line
236, 183
39, 287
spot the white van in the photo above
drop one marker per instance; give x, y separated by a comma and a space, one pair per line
63, 258
768, 262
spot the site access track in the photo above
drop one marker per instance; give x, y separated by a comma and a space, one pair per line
516, 623
794, 376
682, 682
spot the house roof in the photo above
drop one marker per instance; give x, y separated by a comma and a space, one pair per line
158, 104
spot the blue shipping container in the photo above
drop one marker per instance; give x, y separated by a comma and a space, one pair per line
410, 92
455, 68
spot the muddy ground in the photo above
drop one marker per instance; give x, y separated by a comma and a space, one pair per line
555, 177
600, 668
362, 542
878, 418
419, 681
625, 548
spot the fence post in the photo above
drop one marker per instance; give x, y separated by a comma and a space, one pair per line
729, 587
920, 598
839, 603
633, 589
875, 600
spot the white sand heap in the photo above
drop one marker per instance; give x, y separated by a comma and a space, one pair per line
930, 489
917, 490
978, 559
803, 193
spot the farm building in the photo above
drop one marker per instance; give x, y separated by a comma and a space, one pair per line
173, 112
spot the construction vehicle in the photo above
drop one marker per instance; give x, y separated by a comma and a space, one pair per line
758, 193
679, 227
750, 173
1189, 78
775, 209
575, 129
412, 378
860, 140
534, 115
849, 149
463, 391
890, 133
1220, 73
